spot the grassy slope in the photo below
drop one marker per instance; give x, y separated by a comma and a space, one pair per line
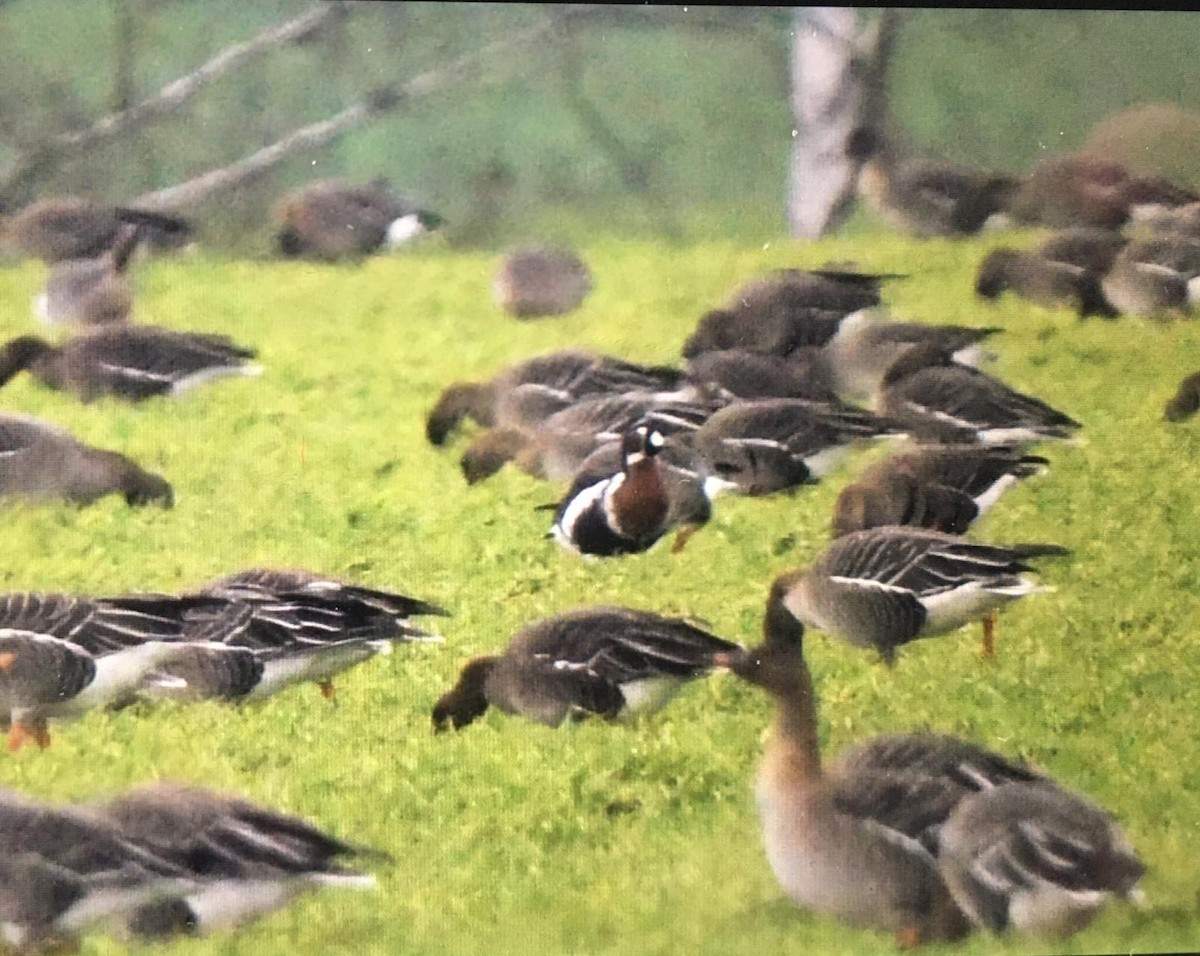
598, 839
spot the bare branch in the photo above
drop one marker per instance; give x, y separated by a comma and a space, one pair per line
36, 161
383, 100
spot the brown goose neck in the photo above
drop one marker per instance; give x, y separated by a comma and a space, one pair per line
795, 739
19, 354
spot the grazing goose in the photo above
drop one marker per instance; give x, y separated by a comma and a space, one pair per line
741, 373
919, 835
1080, 190
1186, 400
265, 857
790, 309
622, 513
937, 400
1048, 282
40, 462
90, 291
925, 198
44, 677
557, 447
1156, 275
63, 873
531, 283
132, 362
769, 445
606, 661
866, 345
58, 229
567, 373
941, 487
887, 586
334, 219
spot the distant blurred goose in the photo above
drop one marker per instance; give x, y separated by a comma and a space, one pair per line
1088, 247
90, 291
941, 487
922, 197
567, 373
789, 309
1080, 190
937, 400
605, 661
131, 362
531, 283
40, 462
919, 835
865, 346
1176, 221
1048, 282
75, 228
622, 513
887, 586
1155, 275
335, 219
768, 445
1186, 400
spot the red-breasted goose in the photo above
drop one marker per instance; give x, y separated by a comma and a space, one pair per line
919, 835
75, 228
335, 219
941, 487
90, 291
41, 462
937, 400
536, 282
623, 513
923, 197
886, 586
603, 661
132, 362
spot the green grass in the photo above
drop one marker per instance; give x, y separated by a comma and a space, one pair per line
597, 839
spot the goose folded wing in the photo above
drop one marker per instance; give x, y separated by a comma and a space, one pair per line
959, 764
974, 398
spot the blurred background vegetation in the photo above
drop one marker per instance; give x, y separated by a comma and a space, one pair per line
640, 122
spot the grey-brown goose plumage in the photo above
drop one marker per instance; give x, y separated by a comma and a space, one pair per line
1048, 282
536, 282
884, 587
75, 228
567, 374
132, 362
747, 375
1179, 221
559, 444
602, 661
1155, 275
90, 291
941, 487
920, 835
40, 462
336, 219
789, 309
768, 445
1089, 247
1186, 400
937, 400
924, 197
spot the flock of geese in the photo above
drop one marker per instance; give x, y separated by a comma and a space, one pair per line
924, 836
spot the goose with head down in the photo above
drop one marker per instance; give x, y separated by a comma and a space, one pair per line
132, 362
600, 661
919, 835
884, 587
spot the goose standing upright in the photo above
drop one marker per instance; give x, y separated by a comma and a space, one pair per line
90, 291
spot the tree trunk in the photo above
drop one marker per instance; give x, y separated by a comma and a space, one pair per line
838, 84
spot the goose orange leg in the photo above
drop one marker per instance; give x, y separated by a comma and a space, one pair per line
908, 937
987, 650
327, 690
34, 732
683, 536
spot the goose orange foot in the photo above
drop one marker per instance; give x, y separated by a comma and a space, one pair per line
327, 690
683, 536
987, 650
908, 937
20, 734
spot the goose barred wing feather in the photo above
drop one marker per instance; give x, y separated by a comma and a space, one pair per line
272, 581
98, 627
957, 763
204, 670
971, 469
